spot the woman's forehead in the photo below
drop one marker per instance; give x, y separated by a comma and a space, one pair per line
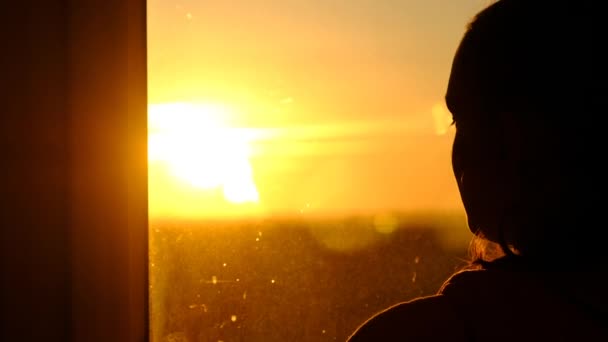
466, 94
460, 96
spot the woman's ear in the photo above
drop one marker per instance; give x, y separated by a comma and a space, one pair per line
528, 142
525, 143
512, 138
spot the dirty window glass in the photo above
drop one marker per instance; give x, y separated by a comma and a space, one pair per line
299, 164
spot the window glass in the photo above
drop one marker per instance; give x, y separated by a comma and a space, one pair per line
299, 164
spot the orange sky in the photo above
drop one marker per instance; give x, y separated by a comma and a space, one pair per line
324, 106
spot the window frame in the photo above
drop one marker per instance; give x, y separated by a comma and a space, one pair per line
74, 216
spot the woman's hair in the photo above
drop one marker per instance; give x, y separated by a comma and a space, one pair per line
533, 60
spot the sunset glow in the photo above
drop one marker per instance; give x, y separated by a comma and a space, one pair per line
292, 146
285, 108
192, 145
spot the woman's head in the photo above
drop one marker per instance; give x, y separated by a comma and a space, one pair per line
520, 92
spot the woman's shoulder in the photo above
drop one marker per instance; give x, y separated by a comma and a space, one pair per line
431, 318
459, 283
531, 305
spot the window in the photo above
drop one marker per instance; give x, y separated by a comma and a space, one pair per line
299, 164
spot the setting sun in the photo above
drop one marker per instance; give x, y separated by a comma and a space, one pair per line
191, 144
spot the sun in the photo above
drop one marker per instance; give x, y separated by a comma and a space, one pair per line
199, 149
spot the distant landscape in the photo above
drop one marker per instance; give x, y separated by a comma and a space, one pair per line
294, 279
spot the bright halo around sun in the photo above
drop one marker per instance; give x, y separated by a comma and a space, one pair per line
199, 149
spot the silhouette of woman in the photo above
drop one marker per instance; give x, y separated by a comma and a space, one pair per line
526, 160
